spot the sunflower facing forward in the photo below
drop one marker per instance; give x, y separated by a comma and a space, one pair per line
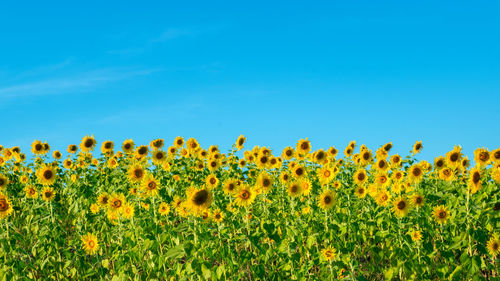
401, 206
326, 200
245, 196
5, 206
441, 214
493, 245
199, 199
46, 175
149, 186
90, 243
136, 173
48, 194
88, 143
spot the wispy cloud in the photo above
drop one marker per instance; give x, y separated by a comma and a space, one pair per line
71, 84
172, 33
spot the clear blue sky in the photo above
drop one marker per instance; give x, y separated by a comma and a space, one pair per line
333, 71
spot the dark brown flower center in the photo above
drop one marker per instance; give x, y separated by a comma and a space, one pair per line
361, 176
299, 171
401, 205
327, 199
213, 180
417, 172
476, 177
304, 145
245, 194
201, 197
138, 173
442, 214
88, 143
4, 205
48, 174
38, 147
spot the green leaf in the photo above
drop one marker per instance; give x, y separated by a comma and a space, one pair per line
175, 252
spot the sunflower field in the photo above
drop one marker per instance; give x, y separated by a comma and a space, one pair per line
182, 212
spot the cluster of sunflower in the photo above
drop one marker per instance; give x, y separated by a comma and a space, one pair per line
346, 201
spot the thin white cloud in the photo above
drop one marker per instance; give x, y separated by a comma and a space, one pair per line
71, 84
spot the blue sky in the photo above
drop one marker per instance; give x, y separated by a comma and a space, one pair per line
333, 71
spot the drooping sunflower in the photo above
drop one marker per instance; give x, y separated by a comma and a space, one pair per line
199, 199
329, 253
88, 143
245, 196
441, 214
30, 192
326, 200
5, 206
493, 245
4, 181
417, 147
211, 181
294, 189
482, 157
401, 206
303, 146
136, 173
150, 186
46, 175
90, 243
128, 146
48, 194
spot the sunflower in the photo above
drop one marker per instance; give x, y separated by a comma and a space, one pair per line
90, 243
320, 157
401, 206
245, 196
329, 253
382, 197
495, 155
416, 235
360, 191
164, 209
5, 206
366, 157
56, 154
112, 163
67, 164
417, 200
213, 165
30, 192
482, 157
303, 146
332, 151
495, 175
284, 177
493, 245
156, 144
453, 158
128, 146
211, 181
287, 153
446, 174
294, 189
475, 180
159, 156
396, 161
37, 147
141, 152
149, 186
218, 215
116, 202
441, 214
262, 161
94, 208
360, 176
46, 175
306, 186
326, 200
382, 165
136, 173
199, 199
192, 144
381, 180
348, 151
240, 141
103, 199
264, 182
48, 194
417, 147
415, 173
128, 211
299, 171
179, 142
4, 181
72, 148
88, 143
